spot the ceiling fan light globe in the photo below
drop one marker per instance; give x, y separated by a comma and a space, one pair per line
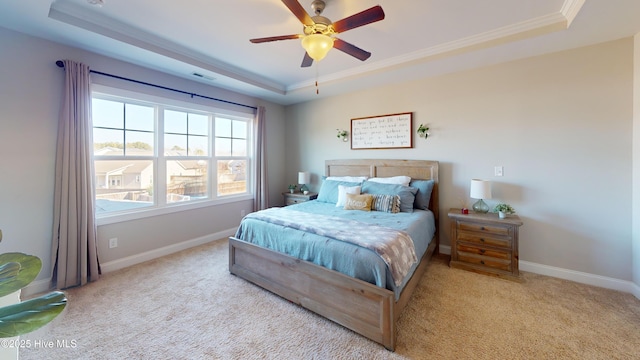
317, 45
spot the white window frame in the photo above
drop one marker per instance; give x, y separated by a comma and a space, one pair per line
160, 206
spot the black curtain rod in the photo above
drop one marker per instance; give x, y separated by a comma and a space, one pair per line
61, 64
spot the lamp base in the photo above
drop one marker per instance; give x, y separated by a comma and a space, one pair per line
481, 207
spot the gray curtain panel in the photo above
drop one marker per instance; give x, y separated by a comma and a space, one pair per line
74, 251
261, 199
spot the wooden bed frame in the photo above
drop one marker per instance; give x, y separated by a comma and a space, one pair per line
360, 306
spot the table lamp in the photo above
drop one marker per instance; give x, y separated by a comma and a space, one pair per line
480, 189
303, 179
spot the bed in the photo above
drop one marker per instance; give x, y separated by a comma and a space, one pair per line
369, 307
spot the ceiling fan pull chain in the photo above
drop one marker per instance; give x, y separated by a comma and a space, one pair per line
317, 89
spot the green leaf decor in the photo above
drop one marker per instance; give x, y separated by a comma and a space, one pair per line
30, 315
18, 270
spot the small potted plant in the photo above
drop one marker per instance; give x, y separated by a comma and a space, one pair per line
503, 210
423, 131
342, 134
292, 188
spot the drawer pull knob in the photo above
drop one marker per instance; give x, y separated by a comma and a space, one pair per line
482, 251
482, 262
481, 239
482, 228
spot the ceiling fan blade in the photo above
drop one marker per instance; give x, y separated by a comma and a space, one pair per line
362, 18
307, 60
275, 38
297, 10
352, 50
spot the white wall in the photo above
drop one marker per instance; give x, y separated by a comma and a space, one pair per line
560, 124
30, 99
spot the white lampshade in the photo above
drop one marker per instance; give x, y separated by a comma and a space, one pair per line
317, 45
304, 177
480, 189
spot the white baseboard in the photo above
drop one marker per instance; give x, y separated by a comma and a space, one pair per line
572, 275
36, 287
164, 251
444, 249
581, 277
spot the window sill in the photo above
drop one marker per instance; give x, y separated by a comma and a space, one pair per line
154, 211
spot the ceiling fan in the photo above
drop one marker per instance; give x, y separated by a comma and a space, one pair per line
318, 37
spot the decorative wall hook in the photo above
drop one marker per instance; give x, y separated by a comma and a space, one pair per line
423, 131
342, 134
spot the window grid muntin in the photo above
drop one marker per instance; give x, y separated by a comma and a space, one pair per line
188, 133
160, 160
123, 104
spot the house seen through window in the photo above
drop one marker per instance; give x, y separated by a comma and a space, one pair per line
150, 155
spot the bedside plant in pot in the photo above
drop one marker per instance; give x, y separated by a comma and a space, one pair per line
292, 188
17, 270
503, 210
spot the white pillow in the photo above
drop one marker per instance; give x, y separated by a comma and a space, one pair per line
399, 180
347, 178
343, 191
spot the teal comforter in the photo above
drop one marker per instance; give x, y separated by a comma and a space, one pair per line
344, 257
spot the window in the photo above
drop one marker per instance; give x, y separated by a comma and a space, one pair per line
150, 154
186, 148
231, 154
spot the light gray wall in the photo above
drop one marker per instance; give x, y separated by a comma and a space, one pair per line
560, 124
30, 86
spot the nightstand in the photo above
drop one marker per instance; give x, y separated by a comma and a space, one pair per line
298, 197
485, 244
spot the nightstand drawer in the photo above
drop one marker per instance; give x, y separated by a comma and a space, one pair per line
494, 253
484, 240
291, 201
487, 261
484, 228
297, 198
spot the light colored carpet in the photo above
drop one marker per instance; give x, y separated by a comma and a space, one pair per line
188, 306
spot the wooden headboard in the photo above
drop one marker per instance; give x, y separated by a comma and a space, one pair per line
416, 169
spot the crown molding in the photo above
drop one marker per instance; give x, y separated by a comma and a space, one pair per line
510, 33
570, 9
79, 17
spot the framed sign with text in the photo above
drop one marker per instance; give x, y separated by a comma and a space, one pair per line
392, 131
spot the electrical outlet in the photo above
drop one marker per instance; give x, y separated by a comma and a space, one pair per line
113, 243
499, 171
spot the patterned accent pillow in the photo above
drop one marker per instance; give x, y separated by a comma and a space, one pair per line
358, 202
386, 203
407, 193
